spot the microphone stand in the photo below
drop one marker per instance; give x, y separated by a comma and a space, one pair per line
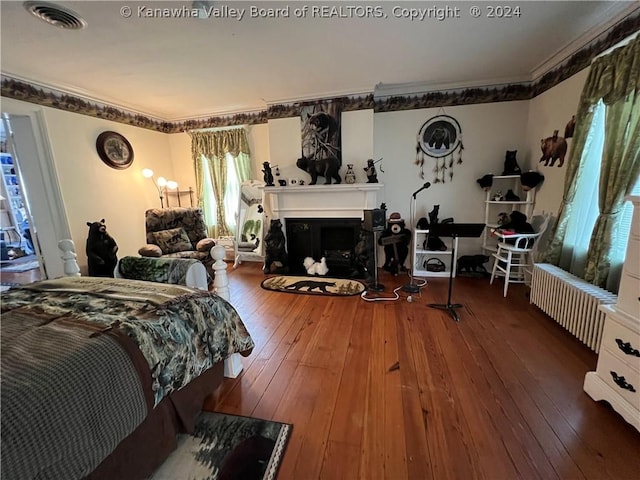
412, 287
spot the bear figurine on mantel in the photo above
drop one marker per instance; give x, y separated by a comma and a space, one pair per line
325, 167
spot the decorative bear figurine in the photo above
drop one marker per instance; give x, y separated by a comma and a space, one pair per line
101, 250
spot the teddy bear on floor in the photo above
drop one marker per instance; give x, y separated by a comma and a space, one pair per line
101, 250
395, 238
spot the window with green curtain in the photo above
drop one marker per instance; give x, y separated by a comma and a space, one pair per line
583, 217
222, 161
603, 167
231, 195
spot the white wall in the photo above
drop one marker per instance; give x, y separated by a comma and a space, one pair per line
551, 111
92, 190
488, 130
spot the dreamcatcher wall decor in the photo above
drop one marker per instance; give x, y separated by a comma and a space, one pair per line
440, 138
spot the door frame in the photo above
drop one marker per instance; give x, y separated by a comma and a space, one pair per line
46, 205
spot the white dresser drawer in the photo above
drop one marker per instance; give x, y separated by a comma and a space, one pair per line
621, 342
624, 380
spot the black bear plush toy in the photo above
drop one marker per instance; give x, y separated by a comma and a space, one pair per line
395, 238
101, 250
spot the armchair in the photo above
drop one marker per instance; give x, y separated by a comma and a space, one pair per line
178, 233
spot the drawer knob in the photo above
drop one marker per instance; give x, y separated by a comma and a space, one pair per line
627, 348
621, 381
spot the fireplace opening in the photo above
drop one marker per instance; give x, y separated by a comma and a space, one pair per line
332, 238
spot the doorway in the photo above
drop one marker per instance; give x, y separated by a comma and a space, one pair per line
19, 256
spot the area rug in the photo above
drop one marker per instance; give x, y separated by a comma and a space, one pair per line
314, 285
20, 267
225, 447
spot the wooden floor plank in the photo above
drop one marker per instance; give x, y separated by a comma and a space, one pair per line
392, 389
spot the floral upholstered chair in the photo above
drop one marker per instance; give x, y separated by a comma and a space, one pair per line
178, 233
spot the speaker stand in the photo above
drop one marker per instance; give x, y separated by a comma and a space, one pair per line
375, 286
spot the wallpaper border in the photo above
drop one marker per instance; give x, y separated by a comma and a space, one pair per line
21, 90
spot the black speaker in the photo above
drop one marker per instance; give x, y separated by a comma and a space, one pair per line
374, 220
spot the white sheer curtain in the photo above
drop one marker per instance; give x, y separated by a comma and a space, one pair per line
231, 194
583, 217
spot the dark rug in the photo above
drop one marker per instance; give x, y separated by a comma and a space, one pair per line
225, 447
314, 285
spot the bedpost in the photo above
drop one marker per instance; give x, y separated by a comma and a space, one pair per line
221, 279
71, 268
233, 363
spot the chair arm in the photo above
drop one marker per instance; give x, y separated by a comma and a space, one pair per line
205, 244
177, 271
521, 241
150, 250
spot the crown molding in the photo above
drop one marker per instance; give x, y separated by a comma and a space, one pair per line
390, 97
71, 91
608, 22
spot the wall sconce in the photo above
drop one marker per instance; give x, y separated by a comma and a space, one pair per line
161, 184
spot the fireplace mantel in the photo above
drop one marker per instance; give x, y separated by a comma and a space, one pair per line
321, 201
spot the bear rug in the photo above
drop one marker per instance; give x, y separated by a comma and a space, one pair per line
314, 285
225, 447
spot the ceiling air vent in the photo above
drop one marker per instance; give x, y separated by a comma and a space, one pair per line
56, 15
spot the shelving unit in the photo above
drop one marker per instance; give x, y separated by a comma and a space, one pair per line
493, 208
13, 216
421, 255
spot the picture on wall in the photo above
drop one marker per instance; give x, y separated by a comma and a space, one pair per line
440, 138
321, 137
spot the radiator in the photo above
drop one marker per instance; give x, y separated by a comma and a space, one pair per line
571, 302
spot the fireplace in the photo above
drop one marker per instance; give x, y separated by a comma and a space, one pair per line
332, 238
325, 221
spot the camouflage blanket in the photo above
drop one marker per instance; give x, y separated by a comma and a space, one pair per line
180, 331
73, 382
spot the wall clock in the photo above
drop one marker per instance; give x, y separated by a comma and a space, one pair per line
114, 150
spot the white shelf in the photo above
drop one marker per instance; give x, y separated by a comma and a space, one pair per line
421, 255
504, 183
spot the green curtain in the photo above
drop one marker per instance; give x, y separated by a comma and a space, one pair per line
614, 79
212, 147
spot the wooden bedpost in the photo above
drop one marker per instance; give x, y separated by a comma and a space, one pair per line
233, 364
221, 279
71, 268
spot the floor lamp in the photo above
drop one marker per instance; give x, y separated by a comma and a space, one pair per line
412, 287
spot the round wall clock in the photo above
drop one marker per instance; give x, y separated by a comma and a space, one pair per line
114, 150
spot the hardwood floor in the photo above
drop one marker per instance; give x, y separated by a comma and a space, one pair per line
496, 396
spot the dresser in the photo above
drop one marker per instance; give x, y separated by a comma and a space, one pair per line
617, 376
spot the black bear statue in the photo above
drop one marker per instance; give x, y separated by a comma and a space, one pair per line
275, 249
101, 250
325, 167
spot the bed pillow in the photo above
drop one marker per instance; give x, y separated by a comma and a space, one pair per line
172, 240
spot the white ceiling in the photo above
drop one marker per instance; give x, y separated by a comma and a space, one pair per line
178, 68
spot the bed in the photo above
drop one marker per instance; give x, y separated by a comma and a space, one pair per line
100, 374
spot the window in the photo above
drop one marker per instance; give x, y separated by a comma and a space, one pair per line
231, 195
586, 210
